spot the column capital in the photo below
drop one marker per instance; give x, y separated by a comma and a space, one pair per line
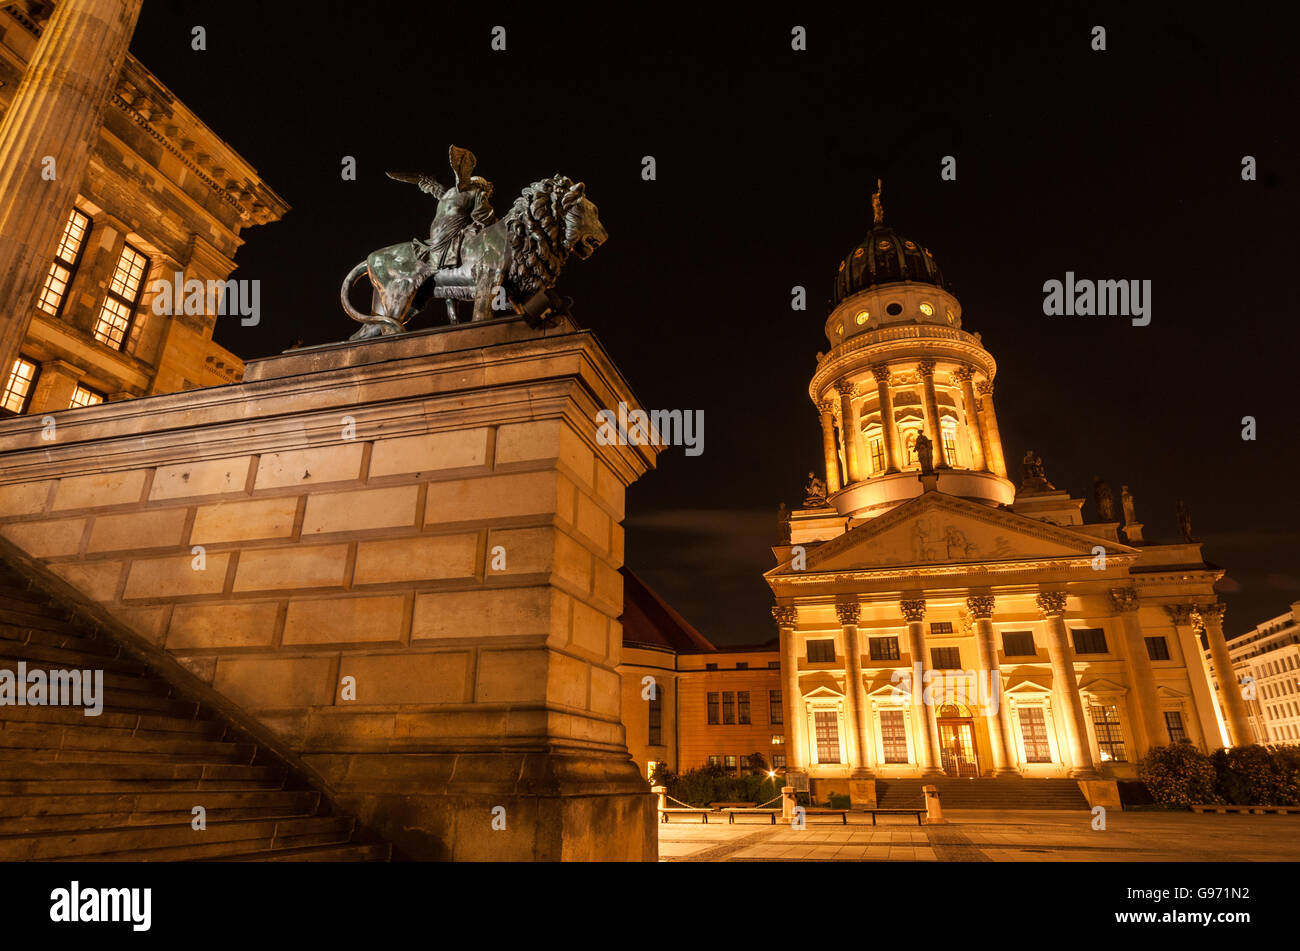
849, 612
784, 614
845, 388
984, 387
925, 368
981, 605
826, 406
1124, 600
881, 372
963, 374
1181, 614
1052, 603
913, 608
1211, 612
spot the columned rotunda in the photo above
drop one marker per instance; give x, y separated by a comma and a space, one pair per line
938, 618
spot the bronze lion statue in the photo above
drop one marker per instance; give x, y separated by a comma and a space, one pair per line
513, 262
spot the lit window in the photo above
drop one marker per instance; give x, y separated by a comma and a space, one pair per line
85, 396
778, 739
66, 259
951, 318
778, 761
949, 431
941, 627
1174, 724
839, 330
1033, 730
123, 296
862, 317
927, 309
19, 387
828, 736
893, 736
1110, 740
730, 764
650, 769
877, 456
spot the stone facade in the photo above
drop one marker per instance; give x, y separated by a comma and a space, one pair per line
401, 556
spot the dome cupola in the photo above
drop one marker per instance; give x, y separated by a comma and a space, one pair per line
884, 257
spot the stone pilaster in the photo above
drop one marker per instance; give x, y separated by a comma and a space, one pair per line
1065, 686
855, 691
796, 740
1234, 706
54, 387
933, 427
974, 431
888, 427
826, 411
850, 429
924, 729
989, 431
1147, 720
56, 113
981, 609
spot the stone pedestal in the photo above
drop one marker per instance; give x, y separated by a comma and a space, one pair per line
401, 556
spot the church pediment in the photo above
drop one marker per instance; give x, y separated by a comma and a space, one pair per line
936, 529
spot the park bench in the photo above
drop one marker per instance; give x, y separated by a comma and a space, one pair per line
842, 813
734, 811
691, 811
896, 812
730, 805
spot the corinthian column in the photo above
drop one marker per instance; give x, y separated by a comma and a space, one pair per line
827, 410
989, 431
851, 429
888, 427
1146, 717
933, 428
796, 741
974, 431
923, 725
1208, 709
1065, 686
855, 691
55, 117
1233, 703
981, 608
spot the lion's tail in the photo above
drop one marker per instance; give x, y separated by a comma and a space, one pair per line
355, 314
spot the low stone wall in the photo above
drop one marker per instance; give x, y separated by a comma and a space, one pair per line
401, 556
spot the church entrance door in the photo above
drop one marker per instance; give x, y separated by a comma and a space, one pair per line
957, 747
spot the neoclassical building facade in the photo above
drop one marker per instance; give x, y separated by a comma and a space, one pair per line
936, 617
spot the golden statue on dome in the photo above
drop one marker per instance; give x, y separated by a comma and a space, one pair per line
877, 209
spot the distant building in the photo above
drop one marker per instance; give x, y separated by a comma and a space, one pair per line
1266, 659
163, 194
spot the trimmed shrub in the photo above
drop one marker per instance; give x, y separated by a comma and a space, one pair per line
1178, 775
708, 784
1257, 775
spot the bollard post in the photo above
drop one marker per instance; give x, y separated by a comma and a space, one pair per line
787, 802
933, 808
662, 793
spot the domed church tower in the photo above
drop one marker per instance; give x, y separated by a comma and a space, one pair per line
901, 366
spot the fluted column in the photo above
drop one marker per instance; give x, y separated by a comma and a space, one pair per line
827, 411
56, 113
1234, 706
933, 428
989, 431
974, 431
1065, 686
888, 427
1147, 721
851, 429
796, 740
1209, 715
923, 725
855, 691
981, 609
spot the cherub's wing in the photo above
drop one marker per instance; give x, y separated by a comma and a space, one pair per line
427, 183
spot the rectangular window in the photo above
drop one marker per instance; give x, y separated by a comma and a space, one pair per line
778, 739
713, 708
715, 760
729, 764
728, 707
941, 627
877, 456
18, 389
773, 665
742, 706
742, 666
1089, 640
950, 445
1110, 739
1157, 648
123, 296
828, 736
1033, 730
821, 651
778, 761
775, 712
710, 666
883, 648
1018, 643
85, 396
656, 737
945, 658
66, 259
893, 736
1174, 724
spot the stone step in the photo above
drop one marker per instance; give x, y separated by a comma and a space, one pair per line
34, 618
119, 811
349, 852
985, 793
14, 769
136, 724
10, 658
58, 658
176, 840
90, 645
107, 747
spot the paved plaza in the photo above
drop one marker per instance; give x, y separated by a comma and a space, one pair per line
991, 836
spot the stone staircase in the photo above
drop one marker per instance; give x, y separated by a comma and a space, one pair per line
121, 786
1004, 793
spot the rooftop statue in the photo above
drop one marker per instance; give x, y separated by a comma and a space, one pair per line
814, 493
1105, 499
472, 255
925, 454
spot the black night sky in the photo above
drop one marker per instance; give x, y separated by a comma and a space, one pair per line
1117, 164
